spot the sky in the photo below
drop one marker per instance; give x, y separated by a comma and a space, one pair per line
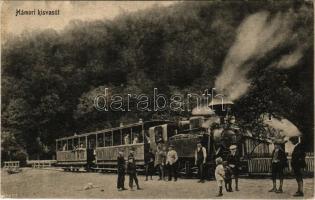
69, 10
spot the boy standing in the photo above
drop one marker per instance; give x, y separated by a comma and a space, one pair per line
278, 163
131, 168
219, 174
171, 163
228, 176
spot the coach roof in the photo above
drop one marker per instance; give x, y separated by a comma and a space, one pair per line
110, 129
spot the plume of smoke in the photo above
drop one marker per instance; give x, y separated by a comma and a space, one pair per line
203, 110
210, 121
290, 60
256, 36
286, 128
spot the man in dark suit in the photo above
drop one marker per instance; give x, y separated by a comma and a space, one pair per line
121, 171
200, 160
298, 163
278, 163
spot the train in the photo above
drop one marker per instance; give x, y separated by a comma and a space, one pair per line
97, 151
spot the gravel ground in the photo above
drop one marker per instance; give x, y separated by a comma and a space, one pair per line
51, 183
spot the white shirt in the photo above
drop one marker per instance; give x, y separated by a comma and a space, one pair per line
135, 140
171, 157
219, 173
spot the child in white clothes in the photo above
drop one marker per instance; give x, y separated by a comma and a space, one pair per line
219, 174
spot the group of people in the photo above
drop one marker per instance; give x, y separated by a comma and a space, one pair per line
280, 162
228, 169
131, 171
225, 171
164, 160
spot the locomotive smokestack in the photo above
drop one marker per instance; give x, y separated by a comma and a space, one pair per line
220, 103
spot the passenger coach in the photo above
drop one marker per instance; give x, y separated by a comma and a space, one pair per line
98, 150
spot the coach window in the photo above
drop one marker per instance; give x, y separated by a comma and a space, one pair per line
117, 137
108, 139
126, 136
64, 145
137, 136
158, 132
82, 142
91, 142
59, 145
70, 144
100, 140
75, 143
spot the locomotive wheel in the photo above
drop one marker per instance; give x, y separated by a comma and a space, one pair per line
187, 168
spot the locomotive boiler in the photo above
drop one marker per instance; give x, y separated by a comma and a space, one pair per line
216, 131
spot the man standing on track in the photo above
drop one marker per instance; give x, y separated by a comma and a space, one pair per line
200, 161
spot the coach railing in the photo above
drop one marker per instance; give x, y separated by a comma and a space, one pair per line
110, 153
11, 164
263, 165
75, 155
41, 163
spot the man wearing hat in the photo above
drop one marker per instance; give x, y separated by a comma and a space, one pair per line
234, 162
121, 171
171, 160
278, 163
200, 160
298, 163
131, 169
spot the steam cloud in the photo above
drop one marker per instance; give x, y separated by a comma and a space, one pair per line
258, 35
204, 110
290, 60
210, 121
285, 127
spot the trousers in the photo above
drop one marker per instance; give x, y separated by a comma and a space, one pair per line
133, 177
172, 171
121, 180
200, 170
